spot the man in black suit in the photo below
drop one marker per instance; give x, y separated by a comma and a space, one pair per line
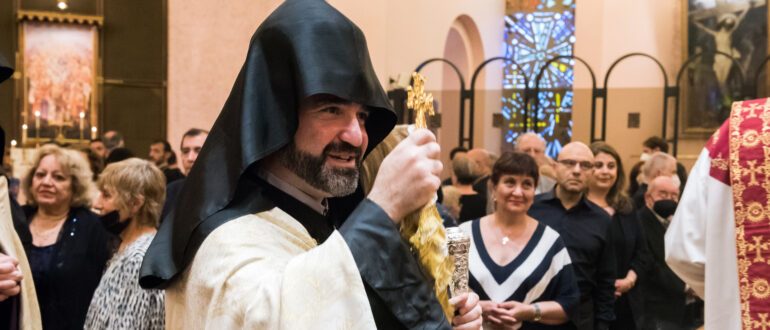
192, 142
665, 295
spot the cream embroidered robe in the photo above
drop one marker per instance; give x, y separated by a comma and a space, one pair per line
11, 245
264, 271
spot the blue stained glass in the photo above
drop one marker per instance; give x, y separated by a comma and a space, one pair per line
555, 119
532, 39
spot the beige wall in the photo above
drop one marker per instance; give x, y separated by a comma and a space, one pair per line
208, 43
609, 29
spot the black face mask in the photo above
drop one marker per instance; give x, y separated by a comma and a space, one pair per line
664, 207
111, 222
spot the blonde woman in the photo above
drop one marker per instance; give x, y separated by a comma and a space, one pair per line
133, 192
69, 247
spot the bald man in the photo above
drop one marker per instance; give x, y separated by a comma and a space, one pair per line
585, 229
659, 164
665, 295
534, 145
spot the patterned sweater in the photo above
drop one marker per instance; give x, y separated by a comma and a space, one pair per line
119, 302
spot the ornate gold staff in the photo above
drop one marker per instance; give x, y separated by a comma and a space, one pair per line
424, 228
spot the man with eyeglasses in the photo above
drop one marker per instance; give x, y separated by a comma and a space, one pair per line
585, 228
666, 296
659, 164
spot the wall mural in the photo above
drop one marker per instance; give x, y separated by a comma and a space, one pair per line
536, 31
59, 63
712, 82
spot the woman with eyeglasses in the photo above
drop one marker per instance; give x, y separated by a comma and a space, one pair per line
606, 188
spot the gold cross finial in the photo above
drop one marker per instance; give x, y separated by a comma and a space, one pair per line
419, 101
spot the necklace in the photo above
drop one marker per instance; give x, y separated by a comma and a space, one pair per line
46, 234
505, 239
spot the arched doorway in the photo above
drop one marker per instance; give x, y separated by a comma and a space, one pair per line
463, 48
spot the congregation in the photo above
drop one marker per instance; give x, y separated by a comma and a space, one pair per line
525, 212
305, 206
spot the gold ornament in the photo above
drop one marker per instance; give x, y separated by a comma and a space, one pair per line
419, 101
424, 229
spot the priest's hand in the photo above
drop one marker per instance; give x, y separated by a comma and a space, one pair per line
10, 276
409, 176
468, 311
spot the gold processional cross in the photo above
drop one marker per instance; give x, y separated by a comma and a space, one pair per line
419, 101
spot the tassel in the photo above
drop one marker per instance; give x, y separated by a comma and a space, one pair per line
424, 230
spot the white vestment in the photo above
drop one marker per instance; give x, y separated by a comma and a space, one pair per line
264, 271
700, 245
10, 244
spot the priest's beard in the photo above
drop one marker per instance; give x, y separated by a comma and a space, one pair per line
313, 169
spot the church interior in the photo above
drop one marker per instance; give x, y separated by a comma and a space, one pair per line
623, 72
618, 71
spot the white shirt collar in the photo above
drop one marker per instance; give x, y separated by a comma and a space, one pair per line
319, 205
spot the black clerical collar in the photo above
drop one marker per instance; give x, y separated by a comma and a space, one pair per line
318, 225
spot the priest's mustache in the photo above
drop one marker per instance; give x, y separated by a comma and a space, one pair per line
342, 146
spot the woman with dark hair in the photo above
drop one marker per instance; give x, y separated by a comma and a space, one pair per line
606, 188
519, 267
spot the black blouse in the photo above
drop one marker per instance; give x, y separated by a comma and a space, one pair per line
631, 253
66, 283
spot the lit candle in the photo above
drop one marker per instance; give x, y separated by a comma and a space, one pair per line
82, 115
24, 128
13, 147
37, 125
93, 132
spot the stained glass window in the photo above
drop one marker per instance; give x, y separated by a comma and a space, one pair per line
532, 38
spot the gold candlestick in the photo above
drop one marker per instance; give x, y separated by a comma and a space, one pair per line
93, 132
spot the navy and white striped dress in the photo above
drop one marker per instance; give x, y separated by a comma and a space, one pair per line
541, 272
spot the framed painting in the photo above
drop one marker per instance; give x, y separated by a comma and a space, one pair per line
59, 69
726, 42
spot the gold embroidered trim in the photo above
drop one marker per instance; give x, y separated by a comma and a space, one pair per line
750, 210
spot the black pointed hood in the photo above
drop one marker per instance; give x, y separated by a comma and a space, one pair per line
5, 72
5, 69
304, 48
